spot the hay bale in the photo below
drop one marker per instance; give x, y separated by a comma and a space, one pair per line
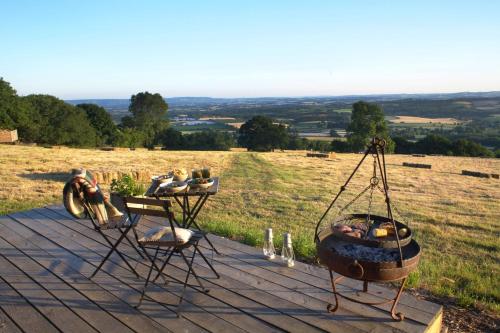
320, 155
236, 149
475, 174
417, 165
107, 148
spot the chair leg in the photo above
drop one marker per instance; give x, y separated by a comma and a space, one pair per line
113, 248
189, 264
147, 279
207, 261
191, 270
134, 247
164, 264
137, 242
153, 262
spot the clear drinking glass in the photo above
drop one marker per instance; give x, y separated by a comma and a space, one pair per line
287, 254
268, 247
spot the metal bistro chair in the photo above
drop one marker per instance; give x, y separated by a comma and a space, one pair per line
171, 239
124, 226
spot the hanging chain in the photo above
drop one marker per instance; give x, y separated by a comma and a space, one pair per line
394, 206
373, 182
354, 200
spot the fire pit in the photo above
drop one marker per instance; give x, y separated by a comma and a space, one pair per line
367, 247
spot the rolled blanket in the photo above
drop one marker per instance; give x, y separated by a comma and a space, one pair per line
101, 207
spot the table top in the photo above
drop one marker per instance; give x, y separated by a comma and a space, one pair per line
189, 191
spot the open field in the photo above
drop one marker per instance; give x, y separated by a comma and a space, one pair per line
456, 218
421, 120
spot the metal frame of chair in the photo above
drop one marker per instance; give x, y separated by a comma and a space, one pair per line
170, 248
124, 230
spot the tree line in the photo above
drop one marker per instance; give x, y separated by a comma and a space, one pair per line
45, 119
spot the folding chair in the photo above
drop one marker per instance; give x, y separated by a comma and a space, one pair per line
171, 239
123, 226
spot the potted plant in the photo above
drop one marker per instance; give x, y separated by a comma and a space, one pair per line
125, 186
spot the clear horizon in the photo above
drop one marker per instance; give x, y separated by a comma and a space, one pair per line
297, 96
222, 49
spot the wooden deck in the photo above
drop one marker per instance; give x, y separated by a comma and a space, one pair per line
46, 257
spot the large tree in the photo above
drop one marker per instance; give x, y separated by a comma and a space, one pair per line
100, 119
149, 113
367, 121
61, 123
261, 134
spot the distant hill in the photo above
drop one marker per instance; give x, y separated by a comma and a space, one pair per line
204, 101
462, 105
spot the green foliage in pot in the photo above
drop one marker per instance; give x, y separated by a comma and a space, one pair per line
126, 186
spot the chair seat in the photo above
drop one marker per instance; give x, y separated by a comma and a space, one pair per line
163, 236
122, 222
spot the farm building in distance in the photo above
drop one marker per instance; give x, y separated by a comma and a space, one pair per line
8, 136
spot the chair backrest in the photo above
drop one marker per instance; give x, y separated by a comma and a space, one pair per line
131, 203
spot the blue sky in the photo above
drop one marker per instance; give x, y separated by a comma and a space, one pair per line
112, 49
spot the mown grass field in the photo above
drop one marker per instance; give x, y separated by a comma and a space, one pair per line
456, 218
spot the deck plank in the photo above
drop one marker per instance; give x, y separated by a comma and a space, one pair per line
269, 274
80, 305
316, 274
126, 287
53, 309
314, 311
21, 311
423, 312
287, 323
245, 318
420, 311
55, 253
58, 266
94, 251
7, 325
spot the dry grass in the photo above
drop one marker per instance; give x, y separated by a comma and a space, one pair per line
421, 120
456, 218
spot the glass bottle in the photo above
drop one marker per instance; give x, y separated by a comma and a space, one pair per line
268, 247
287, 254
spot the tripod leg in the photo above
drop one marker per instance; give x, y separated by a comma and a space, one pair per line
330, 307
398, 316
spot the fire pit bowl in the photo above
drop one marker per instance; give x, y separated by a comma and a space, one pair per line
366, 263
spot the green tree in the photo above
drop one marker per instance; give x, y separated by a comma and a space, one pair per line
434, 144
261, 134
149, 113
171, 138
101, 121
15, 113
61, 123
464, 147
128, 137
367, 121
